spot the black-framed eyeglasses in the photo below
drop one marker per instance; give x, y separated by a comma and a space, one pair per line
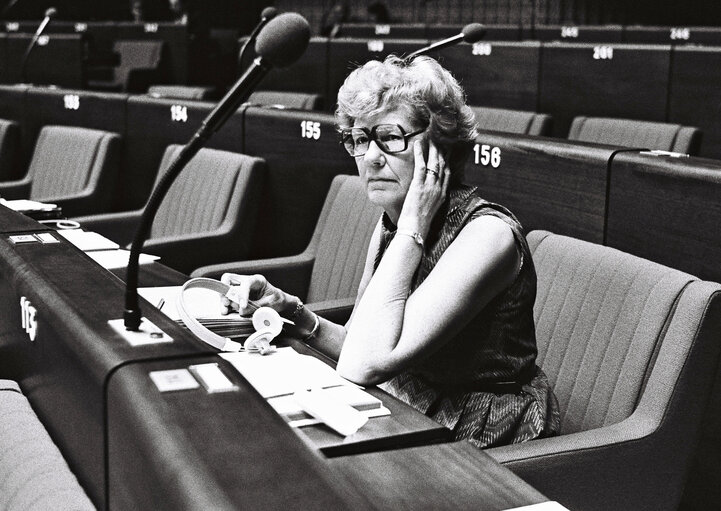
390, 138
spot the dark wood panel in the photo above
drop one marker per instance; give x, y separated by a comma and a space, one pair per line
617, 80
695, 95
667, 210
497, 74
547, 183
462, 476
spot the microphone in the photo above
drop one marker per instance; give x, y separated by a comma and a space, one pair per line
268, 14
49, 14
280, 43
471, 33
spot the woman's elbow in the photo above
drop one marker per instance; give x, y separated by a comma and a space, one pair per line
361, 373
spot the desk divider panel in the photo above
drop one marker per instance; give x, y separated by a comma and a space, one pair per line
672, 35
345, 55
496, 74
667, 209
604, 80
547, 183
579, 33
58, 61
308, 74
152, 125
74, 107
12, 107
303, 154
695, 95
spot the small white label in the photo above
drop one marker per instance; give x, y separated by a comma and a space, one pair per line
569, 32
179, 113
81, 27
310, 129
603, 52
47, 237
173, 379
23, 238
151, 27
481, 48
383, 29
376, 46
212, 377
43, 40
71, 101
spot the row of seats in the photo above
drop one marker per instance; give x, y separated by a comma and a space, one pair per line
646, 82
569, 32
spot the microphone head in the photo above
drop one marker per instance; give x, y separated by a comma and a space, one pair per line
51, 12
284, 39
268, 13
473, 32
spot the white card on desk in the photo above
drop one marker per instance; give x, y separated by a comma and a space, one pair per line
114, 259
284, 372
27, 205
551, 505
87, 240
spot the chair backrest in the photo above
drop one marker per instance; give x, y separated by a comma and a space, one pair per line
207, 193
136, 55
341, 239
33, 472
631, 133
9, 149
284, 99
512, 121
68, 160
600, 317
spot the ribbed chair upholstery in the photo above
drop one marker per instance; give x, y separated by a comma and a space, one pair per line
207, 216
630, 133
513, 121
327, 273
73, 167
629, 347
282, 99
9, 148
33, 473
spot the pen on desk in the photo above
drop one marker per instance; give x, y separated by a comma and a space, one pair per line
160, 304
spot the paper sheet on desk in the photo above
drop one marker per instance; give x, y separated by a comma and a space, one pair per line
284, 371
87, 240
114, 259
27, 205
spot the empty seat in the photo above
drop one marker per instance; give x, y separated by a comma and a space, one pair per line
141, 64
33, 472
207, 216
327, 273
73, 167
630, 348
9, 148
630, 133
512, 121
282, 99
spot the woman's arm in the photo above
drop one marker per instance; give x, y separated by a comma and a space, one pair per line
391, 330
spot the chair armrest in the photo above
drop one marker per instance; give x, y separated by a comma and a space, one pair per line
291, 273
119, 227
338, 311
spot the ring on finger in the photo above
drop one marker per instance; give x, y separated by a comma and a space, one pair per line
432, 172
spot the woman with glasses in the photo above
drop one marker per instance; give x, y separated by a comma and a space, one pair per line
444, 314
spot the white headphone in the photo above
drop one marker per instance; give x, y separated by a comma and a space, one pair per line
266, 321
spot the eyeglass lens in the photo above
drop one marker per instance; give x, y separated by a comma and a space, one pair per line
389, 137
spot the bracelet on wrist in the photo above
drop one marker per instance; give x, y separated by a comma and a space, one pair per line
314, 331
415, 235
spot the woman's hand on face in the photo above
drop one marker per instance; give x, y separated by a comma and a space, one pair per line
427, 191
248, 292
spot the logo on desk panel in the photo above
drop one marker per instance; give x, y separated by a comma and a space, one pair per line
28, 320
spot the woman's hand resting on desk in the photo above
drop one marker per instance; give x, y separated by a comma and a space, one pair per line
248, 292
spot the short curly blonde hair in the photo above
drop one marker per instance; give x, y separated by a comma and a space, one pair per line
421, 86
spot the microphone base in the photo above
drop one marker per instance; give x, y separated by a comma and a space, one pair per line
147, 333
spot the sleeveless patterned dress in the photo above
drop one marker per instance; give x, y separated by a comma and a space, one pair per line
484, 384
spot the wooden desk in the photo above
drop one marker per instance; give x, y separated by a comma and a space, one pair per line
452, 476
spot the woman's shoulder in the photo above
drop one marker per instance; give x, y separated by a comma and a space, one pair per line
466, 204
